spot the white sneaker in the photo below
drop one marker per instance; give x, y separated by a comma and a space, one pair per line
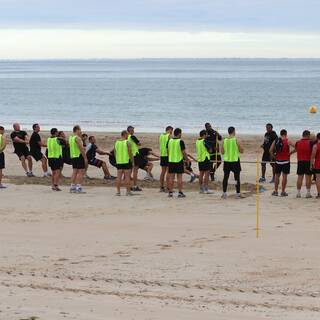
224, 196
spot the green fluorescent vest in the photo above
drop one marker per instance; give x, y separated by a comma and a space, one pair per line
231, 150
122, 153
202, 152
74, 149
163, 140
54, 148
1, 140
175, 153
134, 147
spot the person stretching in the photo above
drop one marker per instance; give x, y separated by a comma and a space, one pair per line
231, 150
78, 159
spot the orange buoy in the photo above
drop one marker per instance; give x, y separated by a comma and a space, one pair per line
313, 109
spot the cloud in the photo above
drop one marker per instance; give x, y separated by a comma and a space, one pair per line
75, 43
179, 15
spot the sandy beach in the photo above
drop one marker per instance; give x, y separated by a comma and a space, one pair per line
97, 256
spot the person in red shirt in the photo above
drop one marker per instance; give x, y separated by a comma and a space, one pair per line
315, 163
304, 149
281, 148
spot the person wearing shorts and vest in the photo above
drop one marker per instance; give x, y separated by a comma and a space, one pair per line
78, 159
164, 161
231, 150
176, 154
20, 143
281, 148
55, 159
213, 140
315, 163
124, 159
3, 144
35, 149
91, 150
135, 144
204, 163
303, 148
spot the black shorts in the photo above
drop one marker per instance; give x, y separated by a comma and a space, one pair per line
215, 157
282, 168
55, 164
22, 153
204, 165
232, 166
124, 166
316, 171
138, 160
304, 168
37, 155
266, 156
2, 161
164, 161
143, 163
176, 167
78, 163
96, 162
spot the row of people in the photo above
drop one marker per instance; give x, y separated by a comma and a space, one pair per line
174, 159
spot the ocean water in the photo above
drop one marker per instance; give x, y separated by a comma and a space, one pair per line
108, 95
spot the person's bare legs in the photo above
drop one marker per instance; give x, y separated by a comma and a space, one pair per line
105, 169
299, 184
74, 176
170, 181
201, 180
273, 170
276, 182
135, 175
284, 182
29, 163
79, 176
206, 179
179, 182
119, 178
24, 164
44, 164
318, 183
127, 180
308, 182
163, 176
263, 170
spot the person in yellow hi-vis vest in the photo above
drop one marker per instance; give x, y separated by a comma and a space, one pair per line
78, 159
204, 163
124, 160
164, 160
176, 154
231, 150
3, 144
134, 144
55, 160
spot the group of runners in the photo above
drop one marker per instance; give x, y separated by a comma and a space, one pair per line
128, 156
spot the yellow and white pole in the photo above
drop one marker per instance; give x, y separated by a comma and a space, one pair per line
257, 200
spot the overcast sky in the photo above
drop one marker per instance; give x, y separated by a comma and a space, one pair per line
159, 28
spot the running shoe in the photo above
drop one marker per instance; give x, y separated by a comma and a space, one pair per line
73, 190
298, 196
207, 191
239, 196
275, 193
262, 179
55, 188
129, 193
308, 195
136, 189
30, 174
118, 194
2, 186
284, 194
80, 191
109, 178
170, 195
163, 189
224, 196
181, 195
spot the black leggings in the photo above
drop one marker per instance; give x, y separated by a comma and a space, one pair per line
226, 178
